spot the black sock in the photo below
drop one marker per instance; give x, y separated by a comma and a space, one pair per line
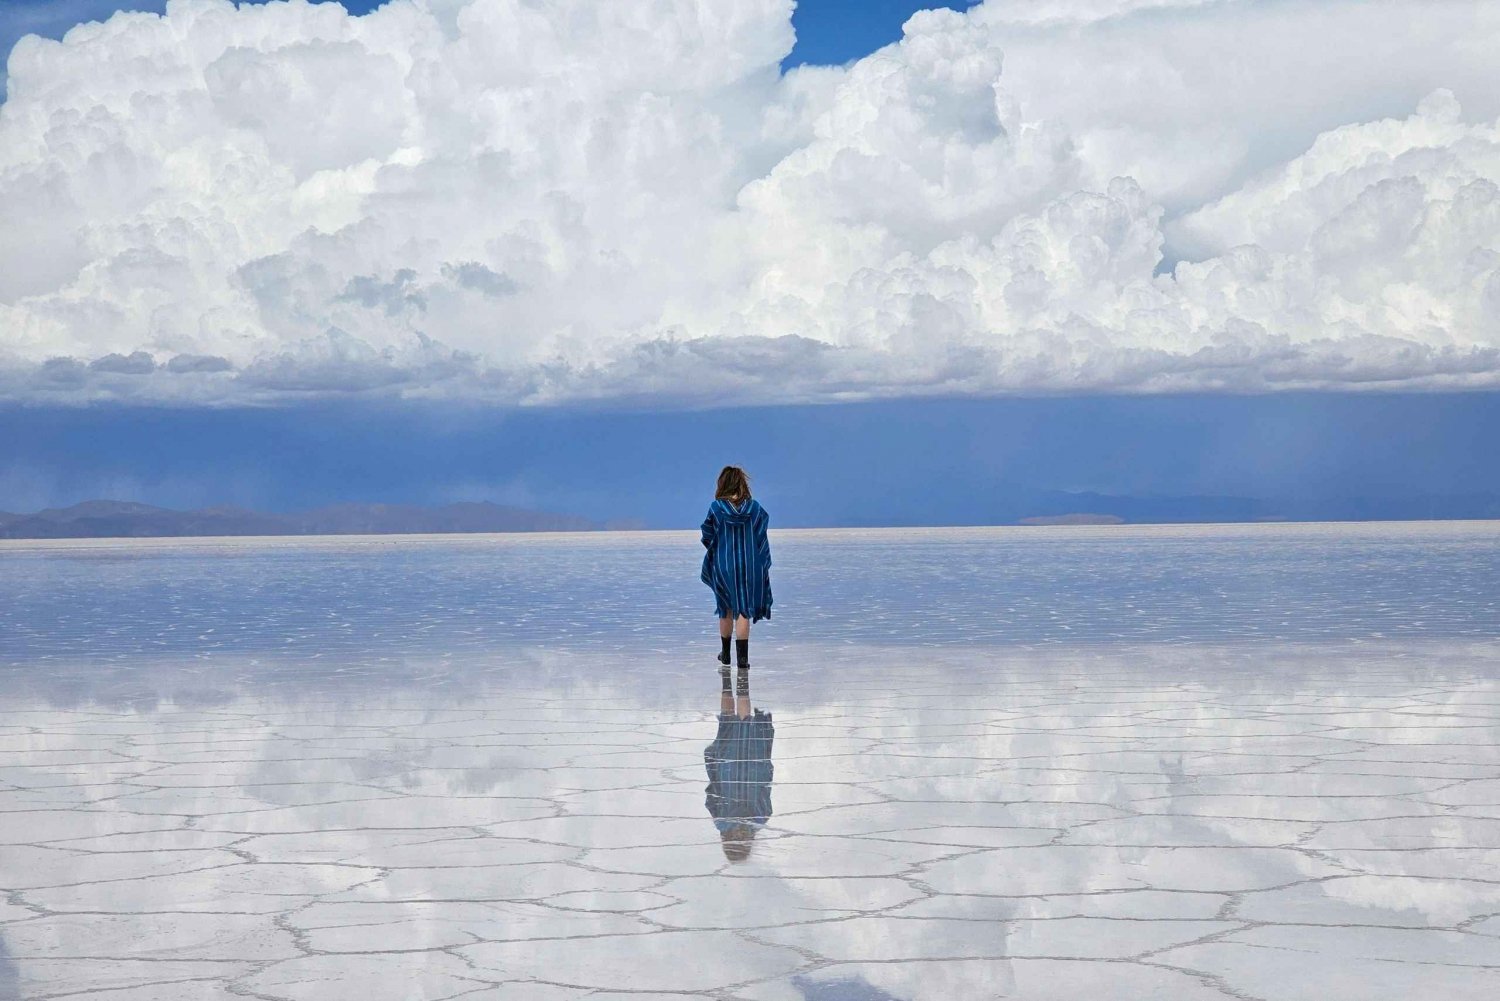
724, 653
742, 652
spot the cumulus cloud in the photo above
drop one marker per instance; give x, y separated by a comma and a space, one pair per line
492, 199
1050, 12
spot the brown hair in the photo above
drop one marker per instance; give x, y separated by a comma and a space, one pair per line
736, 842
733, 486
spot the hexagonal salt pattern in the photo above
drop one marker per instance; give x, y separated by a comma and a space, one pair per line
1253, 762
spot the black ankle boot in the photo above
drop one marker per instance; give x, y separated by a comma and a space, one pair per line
724, 653
742, 653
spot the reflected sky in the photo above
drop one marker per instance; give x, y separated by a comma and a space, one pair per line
215, 781
372, 598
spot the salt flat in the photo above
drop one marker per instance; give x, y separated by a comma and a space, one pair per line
1211, 762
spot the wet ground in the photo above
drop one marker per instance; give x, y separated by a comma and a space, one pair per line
1254, 762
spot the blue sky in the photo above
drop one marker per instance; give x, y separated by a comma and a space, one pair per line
835, 31
897, 462
280, 257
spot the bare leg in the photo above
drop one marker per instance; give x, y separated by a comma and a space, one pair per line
741, 628
724, 625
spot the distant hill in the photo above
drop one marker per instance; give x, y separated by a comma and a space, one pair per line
1046, 507
122, 519
1073, 519
382, 519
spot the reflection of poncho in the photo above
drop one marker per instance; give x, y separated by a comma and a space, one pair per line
739, 769
738, 562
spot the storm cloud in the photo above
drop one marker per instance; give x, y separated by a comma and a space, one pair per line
501, 201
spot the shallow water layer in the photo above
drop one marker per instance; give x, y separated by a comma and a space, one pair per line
1253, 762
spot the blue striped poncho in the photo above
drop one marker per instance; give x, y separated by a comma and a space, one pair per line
739, 771
737, 565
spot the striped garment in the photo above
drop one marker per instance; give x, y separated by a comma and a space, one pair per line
739, 771
738, 562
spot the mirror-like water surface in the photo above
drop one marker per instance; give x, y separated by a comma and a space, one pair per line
1248, 762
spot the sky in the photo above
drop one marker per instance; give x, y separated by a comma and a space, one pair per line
224, 217
1175, 457
829, 32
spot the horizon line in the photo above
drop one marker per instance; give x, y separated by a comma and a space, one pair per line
78, 542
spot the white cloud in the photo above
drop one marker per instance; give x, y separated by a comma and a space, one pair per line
1076, 12
1194, 99
501, 200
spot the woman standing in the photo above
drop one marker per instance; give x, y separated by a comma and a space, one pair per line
737, 565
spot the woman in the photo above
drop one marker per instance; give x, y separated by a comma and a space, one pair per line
737, 565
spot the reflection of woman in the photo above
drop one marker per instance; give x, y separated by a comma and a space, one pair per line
739, 769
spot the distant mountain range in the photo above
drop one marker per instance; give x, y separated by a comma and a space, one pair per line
121, 519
